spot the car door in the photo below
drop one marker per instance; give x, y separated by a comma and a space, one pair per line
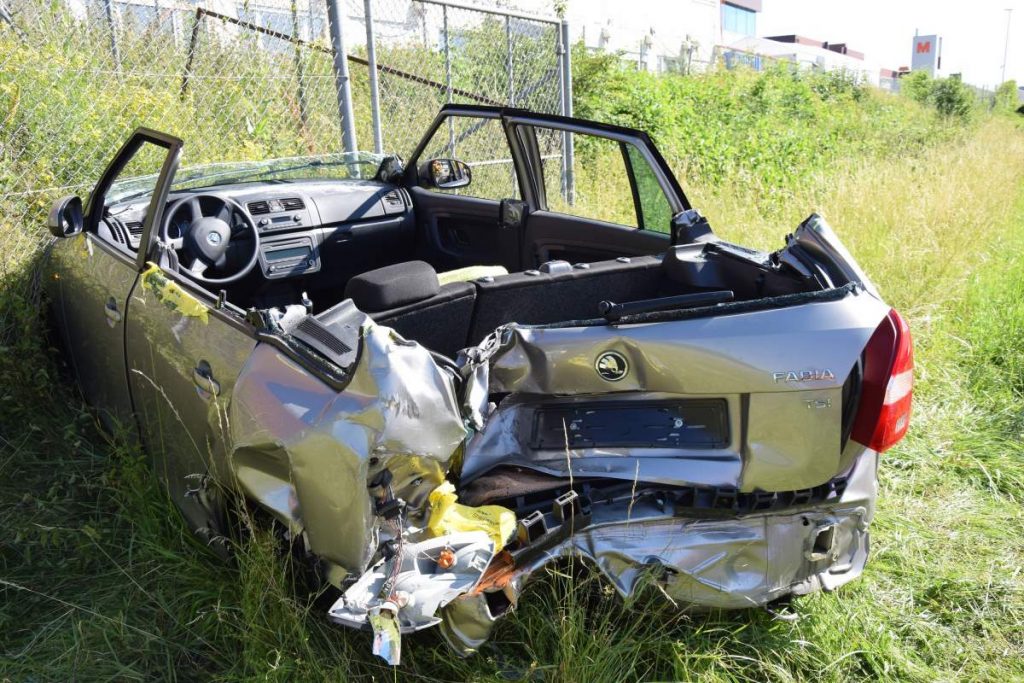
92, 273
595, 191
185, 347
459, 227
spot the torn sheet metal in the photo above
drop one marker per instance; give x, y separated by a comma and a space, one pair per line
726, 562
170, 293
306, 451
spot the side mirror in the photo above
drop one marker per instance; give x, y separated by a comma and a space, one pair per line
446, 174
66, 217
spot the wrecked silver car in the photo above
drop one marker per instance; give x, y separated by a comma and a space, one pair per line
439, 376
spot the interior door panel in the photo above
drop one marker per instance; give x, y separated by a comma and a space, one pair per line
459, 231
551, 236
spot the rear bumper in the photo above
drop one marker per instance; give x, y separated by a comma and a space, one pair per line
726, 562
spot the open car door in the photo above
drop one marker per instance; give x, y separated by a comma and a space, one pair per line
595, 191
96, 264
495, 186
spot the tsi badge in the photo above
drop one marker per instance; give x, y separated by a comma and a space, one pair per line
612, 366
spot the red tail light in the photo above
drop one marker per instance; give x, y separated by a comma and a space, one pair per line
887, 386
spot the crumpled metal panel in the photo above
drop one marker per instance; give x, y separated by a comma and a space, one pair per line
756, 361
724, 563
505, 441
398, 411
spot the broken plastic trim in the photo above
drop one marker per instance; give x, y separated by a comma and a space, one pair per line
329, 373
683, 500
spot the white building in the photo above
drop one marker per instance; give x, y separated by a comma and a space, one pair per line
658, 35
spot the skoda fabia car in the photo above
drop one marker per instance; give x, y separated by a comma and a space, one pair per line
523, 343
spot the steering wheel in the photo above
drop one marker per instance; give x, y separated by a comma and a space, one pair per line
206, 236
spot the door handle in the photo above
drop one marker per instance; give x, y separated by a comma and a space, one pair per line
110, 310
202, 377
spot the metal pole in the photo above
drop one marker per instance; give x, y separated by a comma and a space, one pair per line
300, 75
569, 156
115, 49
448, 78
341, 79
1006, 45
371, 58
508, 61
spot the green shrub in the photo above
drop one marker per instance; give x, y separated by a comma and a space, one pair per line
952, 98
774, 130
1006, 98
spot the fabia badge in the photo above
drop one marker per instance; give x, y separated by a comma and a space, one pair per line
612, 366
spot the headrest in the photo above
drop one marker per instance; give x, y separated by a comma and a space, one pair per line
393, 286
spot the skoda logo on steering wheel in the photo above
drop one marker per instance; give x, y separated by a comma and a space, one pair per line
213, 238
612, 366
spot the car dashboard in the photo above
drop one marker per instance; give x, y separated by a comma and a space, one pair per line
305, 225
313, 233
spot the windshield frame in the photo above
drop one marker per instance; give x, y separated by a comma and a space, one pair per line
350, 166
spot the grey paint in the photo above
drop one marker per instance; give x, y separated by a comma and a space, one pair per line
307, 451
789, 445
185, 426
88, 282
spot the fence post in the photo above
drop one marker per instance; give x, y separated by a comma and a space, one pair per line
569, 155
371, 58
508, 61
115, 48
448, 78
300, 72
341, 79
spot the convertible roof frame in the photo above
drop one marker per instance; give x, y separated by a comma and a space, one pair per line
511, 116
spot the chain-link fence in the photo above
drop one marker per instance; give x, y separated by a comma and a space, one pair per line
246, 80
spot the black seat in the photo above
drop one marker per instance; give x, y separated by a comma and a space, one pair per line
408, 298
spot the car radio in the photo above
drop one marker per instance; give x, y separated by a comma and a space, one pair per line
288, 258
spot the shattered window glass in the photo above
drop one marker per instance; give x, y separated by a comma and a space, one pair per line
481, 143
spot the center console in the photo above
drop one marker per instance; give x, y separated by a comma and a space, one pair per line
290, 257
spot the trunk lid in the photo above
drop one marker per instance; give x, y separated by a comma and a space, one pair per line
756, 396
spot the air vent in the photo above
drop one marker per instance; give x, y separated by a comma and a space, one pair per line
135, 228
393, 203
256, 208
315, 334
117, 230
293, 204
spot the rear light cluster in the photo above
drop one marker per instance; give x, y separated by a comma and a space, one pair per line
887, 386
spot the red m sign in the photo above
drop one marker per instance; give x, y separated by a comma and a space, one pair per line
923, 47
